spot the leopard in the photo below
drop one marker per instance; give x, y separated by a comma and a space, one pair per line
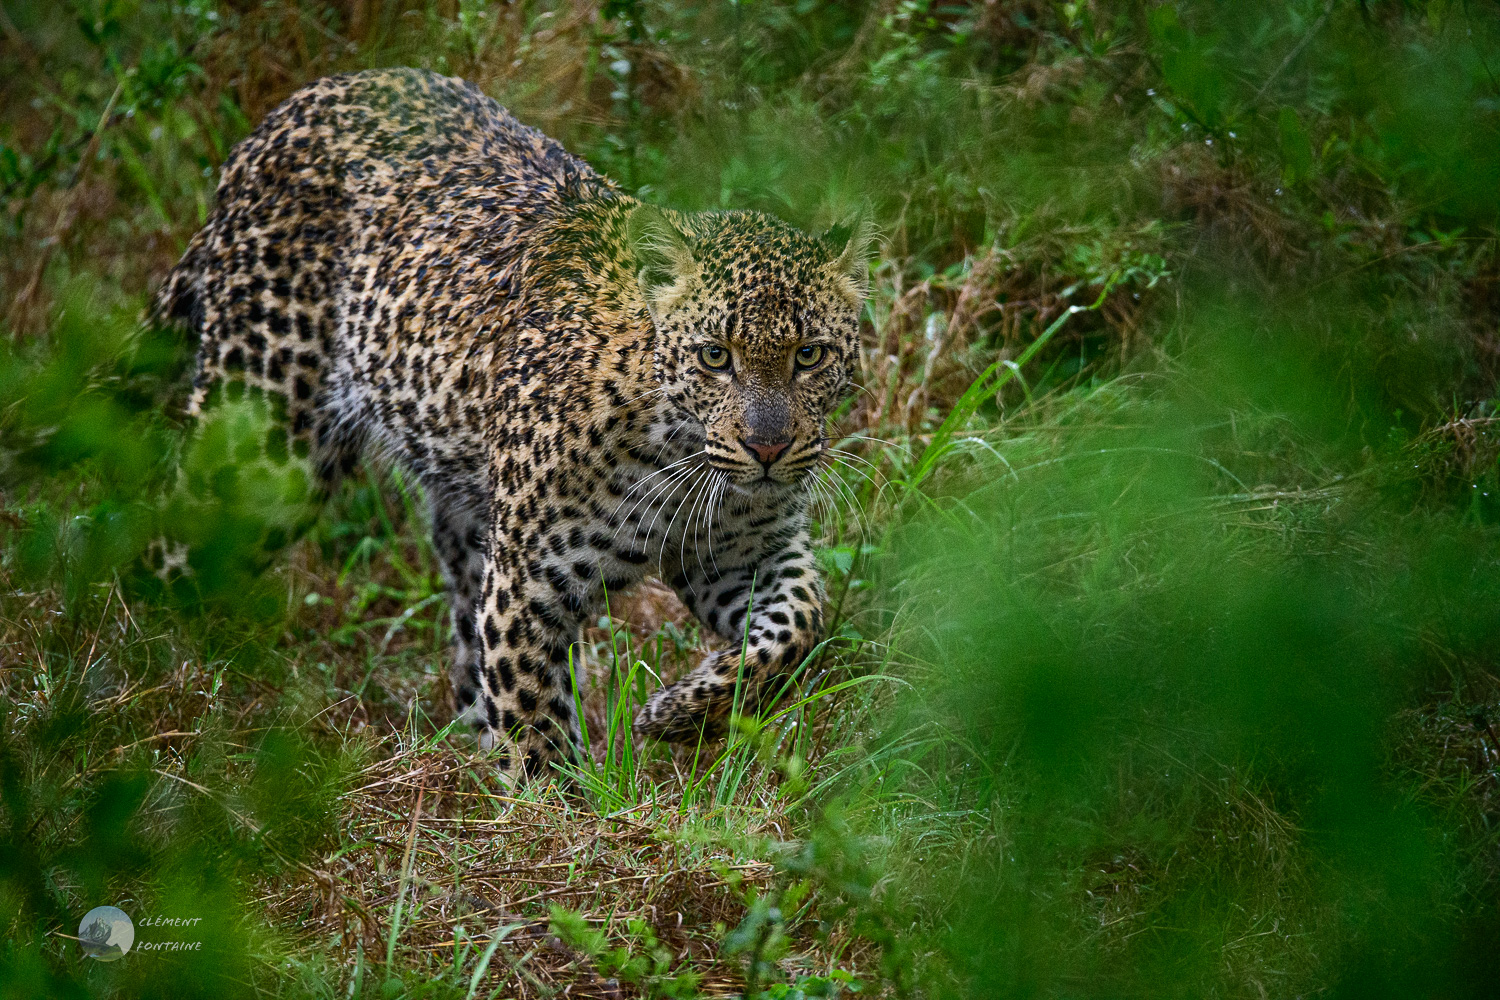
590, 388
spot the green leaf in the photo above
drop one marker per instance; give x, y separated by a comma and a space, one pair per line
1296, 147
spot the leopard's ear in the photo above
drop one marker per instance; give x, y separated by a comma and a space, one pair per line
663, 256
848, 243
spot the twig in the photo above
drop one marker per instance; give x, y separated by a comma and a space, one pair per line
23, 47
89, 659
65, 219
1291, 56
411, 842
153, 738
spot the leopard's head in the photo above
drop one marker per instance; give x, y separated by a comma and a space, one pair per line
757, 331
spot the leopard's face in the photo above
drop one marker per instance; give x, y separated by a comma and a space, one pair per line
757, 334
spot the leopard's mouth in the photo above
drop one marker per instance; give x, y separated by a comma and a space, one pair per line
800, 460
759, 482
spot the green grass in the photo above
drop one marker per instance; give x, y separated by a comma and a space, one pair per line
1161, 543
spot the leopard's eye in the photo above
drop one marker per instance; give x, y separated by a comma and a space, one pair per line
810, 356
714, 357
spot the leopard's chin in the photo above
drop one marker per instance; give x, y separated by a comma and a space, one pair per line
765, 486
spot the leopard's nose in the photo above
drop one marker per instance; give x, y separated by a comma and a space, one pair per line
766, 453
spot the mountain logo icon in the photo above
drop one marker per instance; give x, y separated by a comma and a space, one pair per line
106, 933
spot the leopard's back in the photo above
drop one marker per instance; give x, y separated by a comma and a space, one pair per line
324, 213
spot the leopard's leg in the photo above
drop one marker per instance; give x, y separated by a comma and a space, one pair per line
547, 568
264, 322
253, 455
542, 578
768, 604
458, 538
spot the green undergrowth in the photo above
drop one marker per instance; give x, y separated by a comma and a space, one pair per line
1154, 739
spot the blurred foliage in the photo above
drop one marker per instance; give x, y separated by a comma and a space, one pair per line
1167, 699
86, 819
1179, 412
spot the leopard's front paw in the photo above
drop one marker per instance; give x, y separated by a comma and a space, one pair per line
695, 708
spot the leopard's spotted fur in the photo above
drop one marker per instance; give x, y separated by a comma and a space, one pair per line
410, 268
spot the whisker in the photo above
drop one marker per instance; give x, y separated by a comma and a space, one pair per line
867, 392
650, 499
831, 484
867, 437
649, 392
668, 439
846, 459
862, 518
667, 535
713, 482
856, 470
814, 498
816, 493
646, 479
670, 485
835, 483
692, 508
718, 502
826, 501
851, 455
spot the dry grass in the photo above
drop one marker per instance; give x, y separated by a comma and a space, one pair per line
429, 839
476, 859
